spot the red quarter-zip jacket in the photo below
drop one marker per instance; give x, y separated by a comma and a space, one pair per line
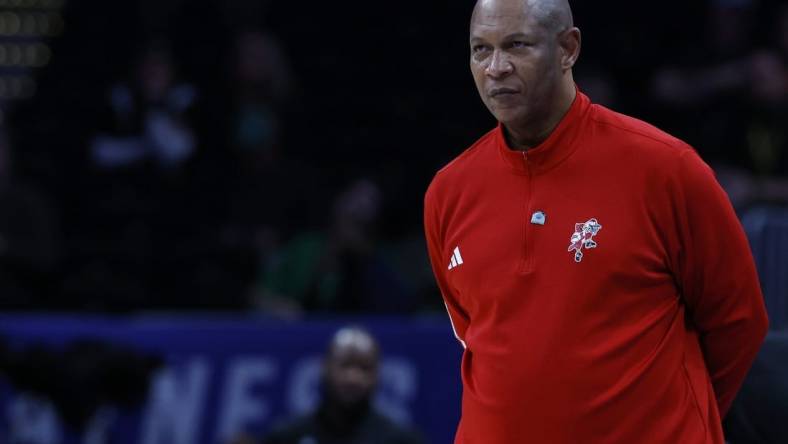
600, 282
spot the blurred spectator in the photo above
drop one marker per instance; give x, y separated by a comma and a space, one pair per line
345, 414
260, 90
340, 268
27, 239
732, 100
147, 118
154, 241
715, 67
762, 177
79, 380
767, 136
701, 92
261, 85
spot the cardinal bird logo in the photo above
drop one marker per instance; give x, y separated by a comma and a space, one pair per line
583, 237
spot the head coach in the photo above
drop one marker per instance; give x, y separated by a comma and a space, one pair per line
592, 266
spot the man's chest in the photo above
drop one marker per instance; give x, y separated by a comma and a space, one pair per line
543, 233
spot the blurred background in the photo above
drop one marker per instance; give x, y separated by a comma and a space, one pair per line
205, 190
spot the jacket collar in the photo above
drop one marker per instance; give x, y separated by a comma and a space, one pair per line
561, 143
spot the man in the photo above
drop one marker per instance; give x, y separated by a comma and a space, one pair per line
346, 415
592, 267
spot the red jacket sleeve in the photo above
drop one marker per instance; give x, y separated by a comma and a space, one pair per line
717, 277
432, 229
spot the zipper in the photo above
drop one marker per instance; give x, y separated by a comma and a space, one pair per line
526, 264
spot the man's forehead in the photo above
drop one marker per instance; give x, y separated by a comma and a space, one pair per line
549, 15
503, 13
352, 341
507, 8
504, 26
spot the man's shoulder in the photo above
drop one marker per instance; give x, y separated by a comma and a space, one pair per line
391, 432
288, 430
464, 163
645, 149
644, 135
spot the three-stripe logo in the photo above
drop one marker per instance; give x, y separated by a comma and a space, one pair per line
456, 258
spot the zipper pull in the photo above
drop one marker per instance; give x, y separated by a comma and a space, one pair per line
527, 162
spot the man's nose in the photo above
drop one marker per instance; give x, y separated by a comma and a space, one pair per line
499, 66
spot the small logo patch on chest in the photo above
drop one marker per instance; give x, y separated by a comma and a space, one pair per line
583, 237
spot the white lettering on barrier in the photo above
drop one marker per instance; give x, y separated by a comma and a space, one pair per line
99, 426
176, 402
398, 387
303, 389
32, 420
241, 405
179, 395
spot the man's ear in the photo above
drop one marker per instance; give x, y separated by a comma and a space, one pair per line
570, 43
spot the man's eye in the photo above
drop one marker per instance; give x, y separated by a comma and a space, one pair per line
478, 48
520, 44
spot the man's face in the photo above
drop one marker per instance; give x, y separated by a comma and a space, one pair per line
351, 374
515, 60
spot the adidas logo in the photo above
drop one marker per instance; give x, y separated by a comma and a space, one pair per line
456, 259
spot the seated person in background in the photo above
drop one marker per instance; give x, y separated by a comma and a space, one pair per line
345, 414
149, 117
341, 267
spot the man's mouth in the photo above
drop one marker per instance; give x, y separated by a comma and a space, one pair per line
502, 91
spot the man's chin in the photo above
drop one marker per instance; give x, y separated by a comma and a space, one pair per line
509, 114
354, 405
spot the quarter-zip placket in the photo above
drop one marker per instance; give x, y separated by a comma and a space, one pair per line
526, 263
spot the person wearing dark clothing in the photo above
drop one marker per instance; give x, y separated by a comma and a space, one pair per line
346, 414
327, 427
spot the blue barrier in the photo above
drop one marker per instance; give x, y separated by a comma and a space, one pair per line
767, 230
225, 374
759, 411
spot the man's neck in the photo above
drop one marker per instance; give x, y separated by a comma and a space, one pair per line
342, 419
525, 137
